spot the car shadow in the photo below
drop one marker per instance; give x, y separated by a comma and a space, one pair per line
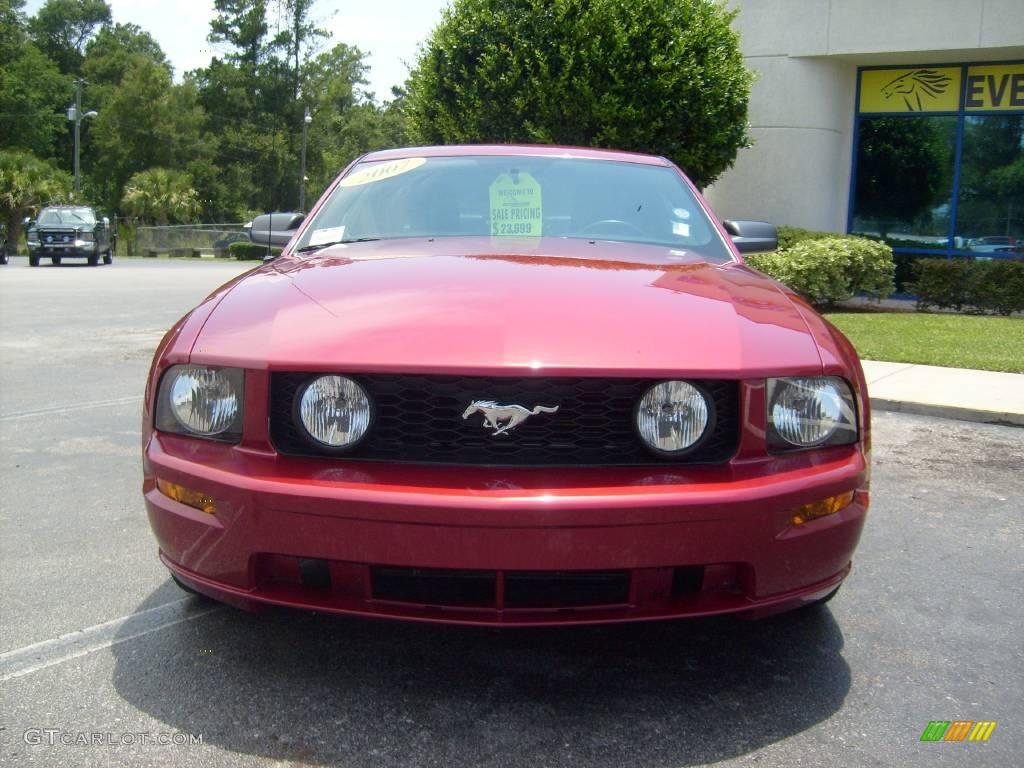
320, 689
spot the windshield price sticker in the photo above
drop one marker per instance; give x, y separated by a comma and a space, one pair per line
329, 235
381, 171
516, 207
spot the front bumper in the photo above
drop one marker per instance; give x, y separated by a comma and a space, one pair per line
65, 251
511, 547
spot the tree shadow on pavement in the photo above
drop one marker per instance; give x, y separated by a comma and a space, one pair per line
329, 690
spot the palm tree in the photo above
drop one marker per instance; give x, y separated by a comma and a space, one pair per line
26, 183
161, 195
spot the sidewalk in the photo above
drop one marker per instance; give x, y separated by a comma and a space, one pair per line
951, 393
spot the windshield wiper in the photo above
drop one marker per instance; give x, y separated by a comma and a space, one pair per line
319, 246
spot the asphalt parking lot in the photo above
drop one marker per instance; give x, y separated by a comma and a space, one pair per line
102, 657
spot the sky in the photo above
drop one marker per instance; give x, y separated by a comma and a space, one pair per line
388, 29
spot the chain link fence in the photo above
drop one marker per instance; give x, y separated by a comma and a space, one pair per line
185, 239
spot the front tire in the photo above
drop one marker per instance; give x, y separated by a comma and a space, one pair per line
33, 261
186, 588
821, 602
4, 258
94, 260
108, 257
55, 260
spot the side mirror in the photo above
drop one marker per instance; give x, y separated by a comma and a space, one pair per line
27, 222
106, 221
752, 236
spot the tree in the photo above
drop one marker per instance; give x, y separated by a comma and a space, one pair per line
298, 39
254, 99
140, 122
27, 183
61, 29
659, 76
242, 24
33, 93
12, 27
144, 122
161, 195
114, 49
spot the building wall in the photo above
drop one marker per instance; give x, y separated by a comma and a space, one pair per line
806, 54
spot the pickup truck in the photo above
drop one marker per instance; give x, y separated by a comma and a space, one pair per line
69, 232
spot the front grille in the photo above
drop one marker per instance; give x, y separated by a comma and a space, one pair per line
54, 240
540, 589
56, 237
434, 586
520, 589
419, 419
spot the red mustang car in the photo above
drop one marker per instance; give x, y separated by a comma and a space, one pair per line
508, 386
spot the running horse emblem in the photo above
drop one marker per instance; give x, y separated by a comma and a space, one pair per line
911, 85
511, 415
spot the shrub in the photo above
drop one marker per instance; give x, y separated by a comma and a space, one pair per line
905, 274
940, 283
790, 236
660, 76
831, 269
981, 286
905, 261
996, 286
244, 251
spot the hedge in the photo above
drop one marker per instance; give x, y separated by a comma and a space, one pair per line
980, 286
790, 236
827, 268
244, 251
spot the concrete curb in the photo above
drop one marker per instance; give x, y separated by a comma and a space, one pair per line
985, 397
948, 412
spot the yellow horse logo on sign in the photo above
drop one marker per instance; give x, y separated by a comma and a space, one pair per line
912, 85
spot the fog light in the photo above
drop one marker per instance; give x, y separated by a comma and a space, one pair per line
186, 496
822, 508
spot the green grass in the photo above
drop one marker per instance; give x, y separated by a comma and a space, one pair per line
953, 341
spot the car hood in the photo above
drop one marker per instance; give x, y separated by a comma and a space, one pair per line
485, 306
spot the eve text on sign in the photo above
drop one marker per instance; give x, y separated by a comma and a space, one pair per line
995, 87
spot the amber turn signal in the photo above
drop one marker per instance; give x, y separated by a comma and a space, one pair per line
186, 496
822, 508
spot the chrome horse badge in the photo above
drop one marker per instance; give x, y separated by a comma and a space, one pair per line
512, 415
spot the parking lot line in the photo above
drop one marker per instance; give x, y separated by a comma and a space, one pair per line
69, 408
32, 658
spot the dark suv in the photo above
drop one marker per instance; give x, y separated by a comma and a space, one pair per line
69, 232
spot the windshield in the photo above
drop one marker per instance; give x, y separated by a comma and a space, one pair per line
56, 217
515, 196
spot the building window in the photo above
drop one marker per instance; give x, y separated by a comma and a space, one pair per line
904, 188
990, 203
939, 159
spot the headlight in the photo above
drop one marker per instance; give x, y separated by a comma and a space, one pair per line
334, 410
196, 400
810, 412
86, 236
673, 416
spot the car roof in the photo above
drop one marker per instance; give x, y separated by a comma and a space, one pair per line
535, 150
